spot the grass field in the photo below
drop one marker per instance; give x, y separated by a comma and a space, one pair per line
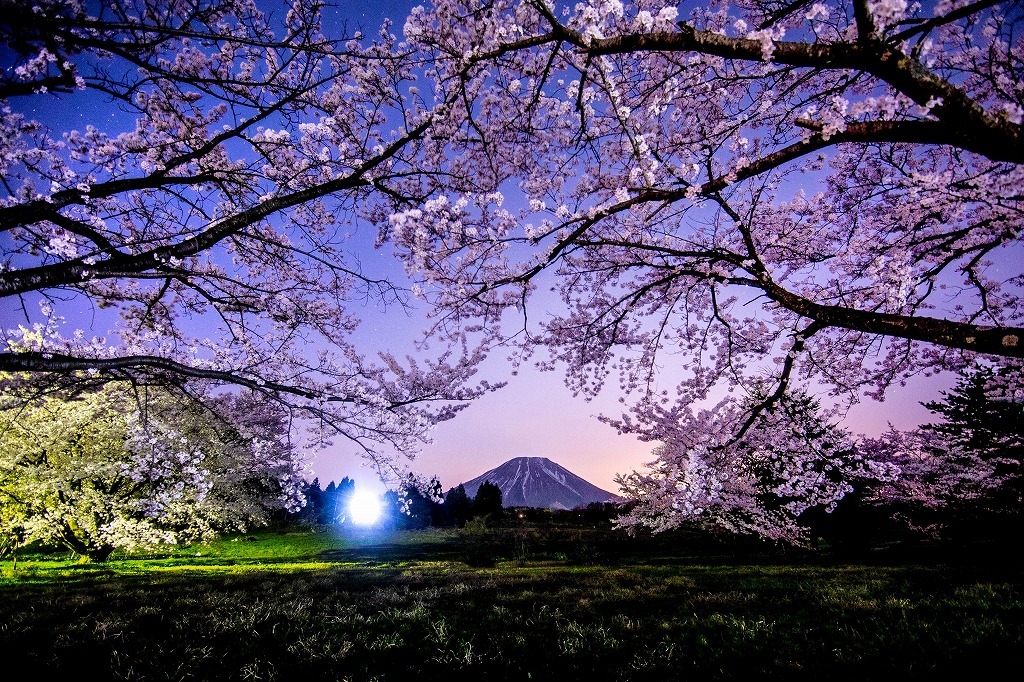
512, 605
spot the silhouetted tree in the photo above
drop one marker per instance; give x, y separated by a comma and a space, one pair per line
487, 502
310, 512
391, 510
982, 417
327, 509
981, 413
600, 512
342, 495
331, 504
418, 509
457, 506
416, 506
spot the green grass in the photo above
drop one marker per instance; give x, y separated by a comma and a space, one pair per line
320, 606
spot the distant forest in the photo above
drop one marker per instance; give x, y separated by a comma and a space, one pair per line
409, 508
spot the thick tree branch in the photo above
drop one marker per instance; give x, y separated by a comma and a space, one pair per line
994, 137
77, 270
1004, 341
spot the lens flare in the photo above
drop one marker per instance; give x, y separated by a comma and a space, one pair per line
364, 508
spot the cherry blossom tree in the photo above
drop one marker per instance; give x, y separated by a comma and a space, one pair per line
118, 470
791, 459
214, 216
733, 200
963, 475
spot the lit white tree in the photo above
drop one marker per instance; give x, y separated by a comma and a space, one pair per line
117, 469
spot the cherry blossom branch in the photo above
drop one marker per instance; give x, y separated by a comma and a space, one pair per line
166, 370
117, 265
967, 121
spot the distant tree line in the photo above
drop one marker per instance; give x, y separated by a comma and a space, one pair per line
415, 508
328, 505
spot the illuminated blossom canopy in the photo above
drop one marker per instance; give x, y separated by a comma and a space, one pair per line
733, 201
116, 469
212, 216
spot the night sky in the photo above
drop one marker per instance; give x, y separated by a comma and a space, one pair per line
535, 415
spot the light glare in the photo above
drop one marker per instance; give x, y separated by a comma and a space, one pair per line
364, 508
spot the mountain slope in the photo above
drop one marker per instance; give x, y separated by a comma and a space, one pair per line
539, 482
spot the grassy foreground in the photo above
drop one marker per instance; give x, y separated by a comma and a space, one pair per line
313, 605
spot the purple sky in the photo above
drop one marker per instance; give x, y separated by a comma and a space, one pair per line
535, 415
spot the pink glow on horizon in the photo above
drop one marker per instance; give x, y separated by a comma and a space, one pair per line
536, 416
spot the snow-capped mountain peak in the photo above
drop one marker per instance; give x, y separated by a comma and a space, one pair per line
539, 482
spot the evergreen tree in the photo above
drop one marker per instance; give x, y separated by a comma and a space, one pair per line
391, 510
457, 506
487, 502
983, 421
310, 513
329, 508
342, 495
981, 414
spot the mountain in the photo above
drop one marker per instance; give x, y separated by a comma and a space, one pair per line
539, 482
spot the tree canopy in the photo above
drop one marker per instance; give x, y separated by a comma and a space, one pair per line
117, 470
214, 214
733, 201
841, 205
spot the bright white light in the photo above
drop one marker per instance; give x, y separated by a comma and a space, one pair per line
364, 507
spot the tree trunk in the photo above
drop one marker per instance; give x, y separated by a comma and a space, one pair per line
100, 554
